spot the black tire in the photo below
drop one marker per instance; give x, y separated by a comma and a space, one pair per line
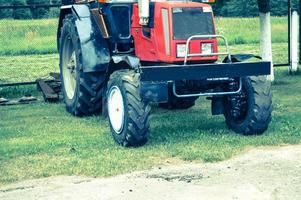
250, 112
135, 129
88, 92
176, 103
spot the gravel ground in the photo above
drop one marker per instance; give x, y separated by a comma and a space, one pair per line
258, 174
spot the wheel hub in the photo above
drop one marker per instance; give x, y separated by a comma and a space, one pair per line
116, 109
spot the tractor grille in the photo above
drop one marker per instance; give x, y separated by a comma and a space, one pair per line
191, 21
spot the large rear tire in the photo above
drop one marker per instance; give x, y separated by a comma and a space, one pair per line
250, 111
82, 91
128, 113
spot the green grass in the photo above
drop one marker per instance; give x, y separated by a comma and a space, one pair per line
32, 67
19, 37
247, 30
42, 140
27, 67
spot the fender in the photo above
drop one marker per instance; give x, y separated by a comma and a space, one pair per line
240, 58
94, 48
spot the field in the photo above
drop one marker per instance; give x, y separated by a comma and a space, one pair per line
39, 36
42, 140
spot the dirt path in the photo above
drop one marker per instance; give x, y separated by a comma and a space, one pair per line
258, 174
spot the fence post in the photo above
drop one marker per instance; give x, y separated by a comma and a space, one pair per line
294, 60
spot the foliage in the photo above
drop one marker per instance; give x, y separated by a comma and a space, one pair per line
5, 13
21, 13
242, 8
39, 12
227, 8
54, 13
36, 13
247, 8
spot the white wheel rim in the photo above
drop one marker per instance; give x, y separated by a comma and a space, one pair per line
69, 76
116, 109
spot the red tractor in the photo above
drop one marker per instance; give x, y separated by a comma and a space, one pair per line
118, 56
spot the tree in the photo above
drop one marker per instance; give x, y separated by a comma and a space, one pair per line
54, 12
266, 33
21, 13
240, 8
5, 13
38, 13
217, 7
249, 8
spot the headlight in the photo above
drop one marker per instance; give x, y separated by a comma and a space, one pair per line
181, 50
207, 48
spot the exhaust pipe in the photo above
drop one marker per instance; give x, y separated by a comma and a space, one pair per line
143, 6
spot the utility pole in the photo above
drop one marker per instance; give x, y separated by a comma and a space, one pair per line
266, 33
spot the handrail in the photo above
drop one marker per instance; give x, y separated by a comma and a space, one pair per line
187, 54
174, 90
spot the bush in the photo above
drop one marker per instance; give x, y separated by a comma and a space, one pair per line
242, 8
38, 13
21, 13
5, 13
249, 8
54, 13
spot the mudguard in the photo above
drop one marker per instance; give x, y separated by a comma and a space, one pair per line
240, 58
94, 48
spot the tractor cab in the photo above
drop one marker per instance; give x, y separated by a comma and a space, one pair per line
175, 29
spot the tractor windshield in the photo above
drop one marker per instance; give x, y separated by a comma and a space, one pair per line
192, 21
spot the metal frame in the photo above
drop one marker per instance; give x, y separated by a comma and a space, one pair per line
187, 54
174, 90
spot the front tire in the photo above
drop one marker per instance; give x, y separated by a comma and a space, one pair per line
250, 111
128, 113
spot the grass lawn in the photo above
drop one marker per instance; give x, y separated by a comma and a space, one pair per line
19, 37
27, 67
42, 140
32, 67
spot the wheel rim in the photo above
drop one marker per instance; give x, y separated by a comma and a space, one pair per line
69, 69
116, 109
